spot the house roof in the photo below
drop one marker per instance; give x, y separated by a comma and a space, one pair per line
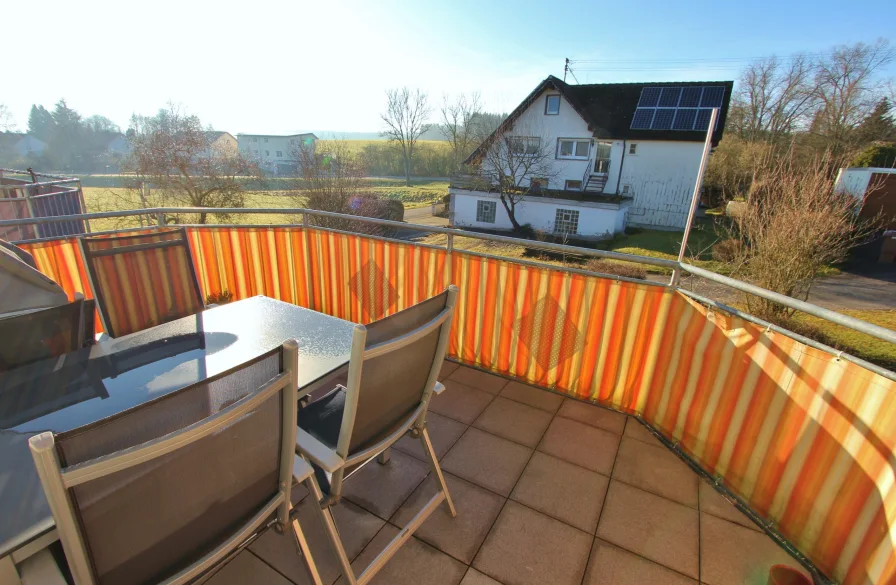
608, 109
216, 134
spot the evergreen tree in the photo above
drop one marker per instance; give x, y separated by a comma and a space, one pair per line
40, 123
879, 124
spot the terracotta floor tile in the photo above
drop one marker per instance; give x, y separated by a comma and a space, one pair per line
635, 430
652, 526
593, 415
712, 502
415, 563
542, 399
529, 548
611, 565
578, 443
562, 490
486, 460
514, 421
657, 470
447, 369
731, 553
462, 535
357, 527
478, 379
246, 568
474, 577
443, 432
460, 402
382, 488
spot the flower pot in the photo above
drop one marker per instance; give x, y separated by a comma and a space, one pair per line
785, 575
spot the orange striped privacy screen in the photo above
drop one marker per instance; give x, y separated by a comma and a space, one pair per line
806, 439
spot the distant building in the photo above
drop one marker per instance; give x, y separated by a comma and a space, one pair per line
640, 143
276, 154
22, 145
222, 142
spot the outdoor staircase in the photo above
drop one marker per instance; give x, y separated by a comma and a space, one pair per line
595, 183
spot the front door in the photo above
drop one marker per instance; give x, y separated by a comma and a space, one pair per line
602, 158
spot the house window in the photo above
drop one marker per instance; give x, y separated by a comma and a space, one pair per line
633, 149
552, 105
265, 140
626, 189
485, 211
566, 221
573, 185
267, 152
573, 149
279, 154
524, 144
602, 158
255, 140
538, 183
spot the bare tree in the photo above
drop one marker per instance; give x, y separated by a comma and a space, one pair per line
177, 156
848, 89
516, 163
406, 120
7, 124
459, 125
793, 224
773, 98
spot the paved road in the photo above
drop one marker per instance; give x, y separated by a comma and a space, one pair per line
871, 287
424, 216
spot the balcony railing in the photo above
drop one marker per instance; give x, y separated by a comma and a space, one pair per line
803, 436
478, 183
25, 194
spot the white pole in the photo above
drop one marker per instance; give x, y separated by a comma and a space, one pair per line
698, 185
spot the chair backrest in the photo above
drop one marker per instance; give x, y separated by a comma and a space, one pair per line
163, 491
393, 369
142, 280
46, 333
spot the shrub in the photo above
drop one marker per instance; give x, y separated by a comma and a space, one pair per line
633, 231
727, 250
219, 298
880, 154
527, 231
624, 269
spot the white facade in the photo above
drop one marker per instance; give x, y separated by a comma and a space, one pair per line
595, 219
274, 153
658, 175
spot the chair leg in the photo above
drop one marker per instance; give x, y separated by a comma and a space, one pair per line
305, 550
384, 457
326, 517
437, 470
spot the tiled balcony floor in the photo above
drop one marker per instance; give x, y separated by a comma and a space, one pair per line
547, 489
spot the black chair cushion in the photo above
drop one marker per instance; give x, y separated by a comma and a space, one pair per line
322, 419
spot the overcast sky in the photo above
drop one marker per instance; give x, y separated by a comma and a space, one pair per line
280, 67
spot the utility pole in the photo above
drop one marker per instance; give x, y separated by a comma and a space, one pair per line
565, 69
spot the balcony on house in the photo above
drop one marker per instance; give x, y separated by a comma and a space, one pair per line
594, 430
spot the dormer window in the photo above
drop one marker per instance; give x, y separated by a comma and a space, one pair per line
552, 105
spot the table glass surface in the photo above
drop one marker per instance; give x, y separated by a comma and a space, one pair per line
95, 383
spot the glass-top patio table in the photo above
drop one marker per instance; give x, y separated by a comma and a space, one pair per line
108, 378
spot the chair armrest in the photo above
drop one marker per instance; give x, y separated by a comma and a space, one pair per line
317, 452
439, 388
301, 469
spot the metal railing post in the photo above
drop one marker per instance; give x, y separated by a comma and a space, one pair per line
695, 198
160, 219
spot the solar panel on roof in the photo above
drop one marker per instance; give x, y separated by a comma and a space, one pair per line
677, 108
702, 122
712, 97
649, 97
670, 96
690, 97
643, 118
684, 119
663, 119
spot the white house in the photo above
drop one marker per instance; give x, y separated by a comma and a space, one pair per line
620, 154
276, 154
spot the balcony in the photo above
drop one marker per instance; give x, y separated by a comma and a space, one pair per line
595, 430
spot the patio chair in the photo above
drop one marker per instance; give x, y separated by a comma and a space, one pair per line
46, 333
391, 378
142, 280
165, 491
